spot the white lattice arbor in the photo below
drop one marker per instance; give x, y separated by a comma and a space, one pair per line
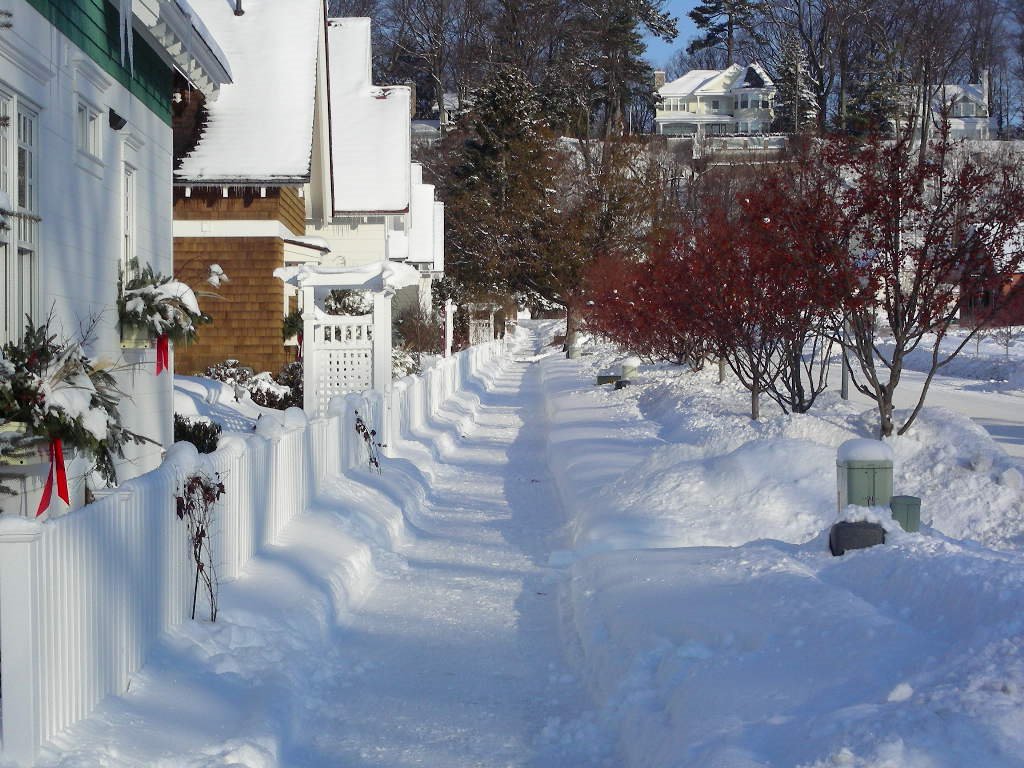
339, 358
344, 353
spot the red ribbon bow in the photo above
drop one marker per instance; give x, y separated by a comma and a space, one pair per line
163, 355
56, 468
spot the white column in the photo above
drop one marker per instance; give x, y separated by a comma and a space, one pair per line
382, 341
425, 294
19, 634
309, 395
449, 327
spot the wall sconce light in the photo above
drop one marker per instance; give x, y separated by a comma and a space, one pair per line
116, 121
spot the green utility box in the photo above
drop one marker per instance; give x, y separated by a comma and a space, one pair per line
906, 510
864, 470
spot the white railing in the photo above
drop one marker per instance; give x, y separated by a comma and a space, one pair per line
84, 598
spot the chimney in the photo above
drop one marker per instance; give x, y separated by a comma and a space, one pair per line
659, 78
984, 87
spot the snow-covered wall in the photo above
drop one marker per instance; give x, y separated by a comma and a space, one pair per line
81, 196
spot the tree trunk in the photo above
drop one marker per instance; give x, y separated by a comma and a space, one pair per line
571, 323
755, 401
721, 370
885, 413
843, 67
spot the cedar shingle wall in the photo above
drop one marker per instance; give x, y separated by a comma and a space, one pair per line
247, 321
245, 204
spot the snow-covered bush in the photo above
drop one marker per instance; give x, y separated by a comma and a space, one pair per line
344, 302
263, 388
403, 363
162, 305
198, 430
52, 391
291, 376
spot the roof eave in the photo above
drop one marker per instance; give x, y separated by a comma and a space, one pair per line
183, 45
276, 181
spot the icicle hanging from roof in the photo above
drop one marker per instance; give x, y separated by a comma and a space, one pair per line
125, 33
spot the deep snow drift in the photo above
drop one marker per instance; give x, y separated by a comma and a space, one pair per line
714, 626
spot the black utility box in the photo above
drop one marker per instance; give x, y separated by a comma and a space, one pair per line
846, 535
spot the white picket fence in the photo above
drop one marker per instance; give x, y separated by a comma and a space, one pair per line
84, 598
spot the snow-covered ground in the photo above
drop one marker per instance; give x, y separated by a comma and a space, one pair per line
713, 625
560, 574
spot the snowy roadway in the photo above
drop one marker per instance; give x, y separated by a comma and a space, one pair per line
436, 645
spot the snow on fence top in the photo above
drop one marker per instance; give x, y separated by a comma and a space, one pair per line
260, 128
370, 127
864, 449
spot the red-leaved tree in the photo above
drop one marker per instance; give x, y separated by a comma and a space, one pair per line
647, 306
759, 281
928, 228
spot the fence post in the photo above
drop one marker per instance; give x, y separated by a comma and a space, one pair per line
19, 633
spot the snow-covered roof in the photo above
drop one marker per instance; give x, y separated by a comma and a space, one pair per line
752, 76
689, 83
370, 126
260, 129
186, 42
718, 81
959, 93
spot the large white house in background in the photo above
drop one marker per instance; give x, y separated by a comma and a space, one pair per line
85, 156
708, 102
967, 109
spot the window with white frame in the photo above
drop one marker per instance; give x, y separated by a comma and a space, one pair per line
129, 259
19, 246
88, 130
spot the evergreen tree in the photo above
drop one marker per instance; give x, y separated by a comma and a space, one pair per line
796, 108
721, 21
873, 102
496, 186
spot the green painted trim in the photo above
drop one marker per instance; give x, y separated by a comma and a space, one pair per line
93, 25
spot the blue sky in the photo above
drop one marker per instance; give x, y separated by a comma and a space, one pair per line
658, 51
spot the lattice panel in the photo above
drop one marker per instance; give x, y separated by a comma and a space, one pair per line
343, 351
480, 331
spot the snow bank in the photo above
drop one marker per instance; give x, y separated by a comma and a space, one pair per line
710, 620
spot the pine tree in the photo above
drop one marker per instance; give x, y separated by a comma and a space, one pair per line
796, 109
496, 186
873, 103
721, 21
